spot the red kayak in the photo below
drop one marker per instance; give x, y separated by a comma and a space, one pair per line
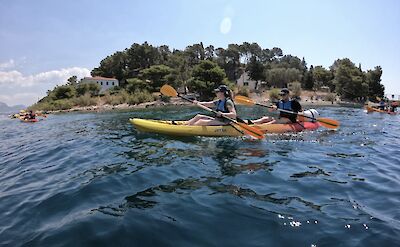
29, 120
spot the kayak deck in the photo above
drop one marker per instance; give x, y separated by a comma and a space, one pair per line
179, 128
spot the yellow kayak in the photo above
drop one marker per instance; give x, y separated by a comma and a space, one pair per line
179, 128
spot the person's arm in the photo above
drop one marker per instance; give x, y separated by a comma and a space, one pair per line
205, 103
296, 106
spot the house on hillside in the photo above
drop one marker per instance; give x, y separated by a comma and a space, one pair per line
104, 82
245, 80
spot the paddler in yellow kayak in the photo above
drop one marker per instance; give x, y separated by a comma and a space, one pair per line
285, 103
223, 105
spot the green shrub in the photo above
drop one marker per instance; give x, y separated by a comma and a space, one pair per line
114, 90
118, 98
296, 89
92, 88
63, 92
115, 99
244, 91
62, 104
330, 97
165, 99
274, 93
140, 97
134, 84
85, 100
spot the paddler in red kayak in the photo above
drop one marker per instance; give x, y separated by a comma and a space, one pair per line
382, 105
393, 106
30, 116
285, 103
223, 105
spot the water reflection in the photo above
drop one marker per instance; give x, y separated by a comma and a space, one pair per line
150, 197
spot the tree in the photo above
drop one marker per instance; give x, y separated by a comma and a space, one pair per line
140, 57
115, 66
136, 84
195, 53
308, 80
280, 77
277, 52
63, 92
158, 75
229, 60
72, 81
206, 76
179, 62
209, 52
245, 52
323, 77
289, 61
373, 79
348, 80
92, 88
164, 53
255, 69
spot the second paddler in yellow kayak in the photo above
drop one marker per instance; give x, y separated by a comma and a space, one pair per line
286, 103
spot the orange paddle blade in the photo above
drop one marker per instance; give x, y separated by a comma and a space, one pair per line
329, 123
244, 100
252, 131
167, 90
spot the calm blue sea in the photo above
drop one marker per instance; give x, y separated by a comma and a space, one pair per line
90, 179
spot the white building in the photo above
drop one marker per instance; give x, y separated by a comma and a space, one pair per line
392, 96
244, 80
104, 82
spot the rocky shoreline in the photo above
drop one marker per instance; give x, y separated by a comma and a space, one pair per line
179, 102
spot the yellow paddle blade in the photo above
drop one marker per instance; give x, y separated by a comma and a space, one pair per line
167, 90
329, 123
249, 130
244, 100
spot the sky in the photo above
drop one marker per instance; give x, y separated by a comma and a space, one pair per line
44, 42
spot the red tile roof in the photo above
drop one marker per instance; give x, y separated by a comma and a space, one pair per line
100, 78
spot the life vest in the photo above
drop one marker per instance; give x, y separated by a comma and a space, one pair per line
285, 105
221, 106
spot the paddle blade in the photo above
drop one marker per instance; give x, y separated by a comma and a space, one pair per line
329, 123
251, 131
167, 90
244, 100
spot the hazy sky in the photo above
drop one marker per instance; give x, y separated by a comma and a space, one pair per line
43, 42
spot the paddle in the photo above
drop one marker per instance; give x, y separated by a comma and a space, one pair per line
171, 92
326, 122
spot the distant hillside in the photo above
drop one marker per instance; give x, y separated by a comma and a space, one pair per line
5, 108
